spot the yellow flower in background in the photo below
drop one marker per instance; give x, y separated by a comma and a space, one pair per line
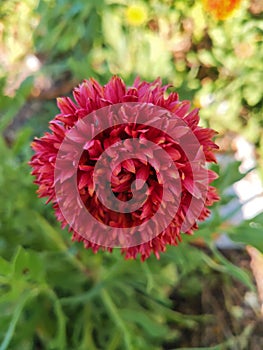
136, 15
221, 9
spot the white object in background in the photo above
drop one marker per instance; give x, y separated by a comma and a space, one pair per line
32, 63
249, 191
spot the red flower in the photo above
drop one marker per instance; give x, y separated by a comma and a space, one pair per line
53, 159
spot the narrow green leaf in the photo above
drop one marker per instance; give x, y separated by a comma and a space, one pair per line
11, 329
233, 270
142, 319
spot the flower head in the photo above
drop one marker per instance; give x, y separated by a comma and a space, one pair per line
131, 147
136, 15
221, 9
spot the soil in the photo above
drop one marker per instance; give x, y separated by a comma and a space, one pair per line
236, 322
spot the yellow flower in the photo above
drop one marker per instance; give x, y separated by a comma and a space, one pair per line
221, 9
136, 15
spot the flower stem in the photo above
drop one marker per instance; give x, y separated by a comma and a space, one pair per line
113, 312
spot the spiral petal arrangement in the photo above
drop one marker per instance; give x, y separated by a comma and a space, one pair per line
126, 166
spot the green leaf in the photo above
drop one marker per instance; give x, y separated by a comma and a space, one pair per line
249, 232
17, 313
206, 58
28, 265
5, 267
22, 140
252, 94
116, 318
142, 319
13, 105
233, 270
229, 174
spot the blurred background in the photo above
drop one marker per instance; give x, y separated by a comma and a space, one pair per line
207, 293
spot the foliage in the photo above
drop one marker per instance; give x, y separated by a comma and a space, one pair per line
205, 59
55, 294
59, 295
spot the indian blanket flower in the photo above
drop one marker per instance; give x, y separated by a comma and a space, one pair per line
91, 97
221, 9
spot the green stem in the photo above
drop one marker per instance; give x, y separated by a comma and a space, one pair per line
149, 276
15, 318
113, 312
61, 320
53, 235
